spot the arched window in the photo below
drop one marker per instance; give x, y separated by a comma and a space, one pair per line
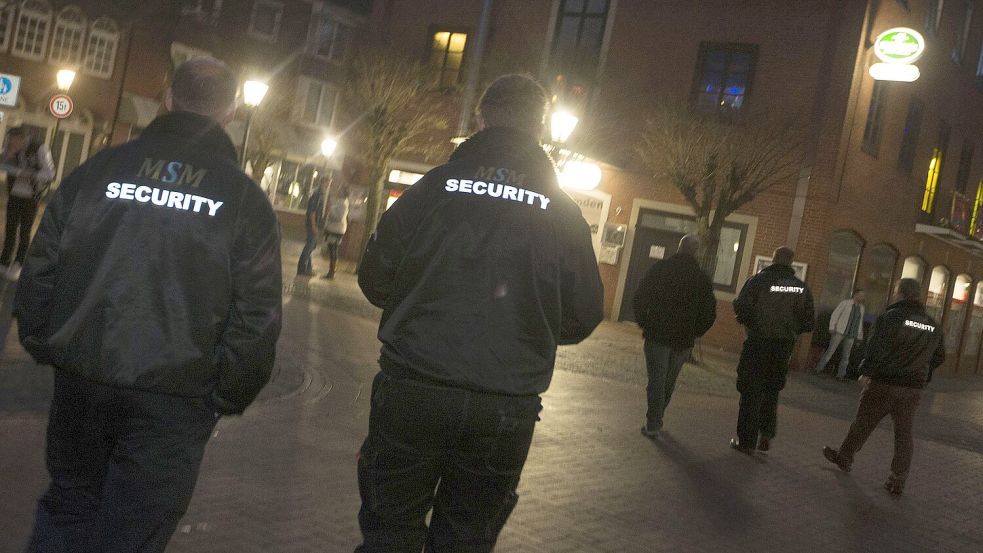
841, 270
957, 315
880, 272
971, 341
914, 267
67, 41
33, 26
938, 289
100, 53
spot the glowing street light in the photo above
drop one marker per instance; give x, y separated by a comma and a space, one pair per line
252, 95
65, 78
580, 175
562, 124
328, 146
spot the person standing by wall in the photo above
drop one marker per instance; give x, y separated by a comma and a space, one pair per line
674, 305
335, 227
30, 171
846, 325
313, 223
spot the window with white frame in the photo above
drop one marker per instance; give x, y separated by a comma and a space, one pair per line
181, 53
329, 38
316, 101
67, 40
7, 14
265, 21
33, 26
100, 53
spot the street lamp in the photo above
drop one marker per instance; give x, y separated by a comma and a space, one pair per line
65, 78
574, 172
252, 95
328, 146
562, 124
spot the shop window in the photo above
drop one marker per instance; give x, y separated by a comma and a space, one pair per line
579, 39
909, 136
971, 341
938, 290
447, 56
294, 185
881, 260
33, 26
957, 314
841, 269
67, 40
962, 32
100, 54
914, 267
875, 118
723, 76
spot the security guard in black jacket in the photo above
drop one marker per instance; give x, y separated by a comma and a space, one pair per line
903, 350
482, 268
774, 306
153, 288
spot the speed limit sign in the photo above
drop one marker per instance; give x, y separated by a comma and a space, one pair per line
61, 106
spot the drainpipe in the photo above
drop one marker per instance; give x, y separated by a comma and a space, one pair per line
474, 66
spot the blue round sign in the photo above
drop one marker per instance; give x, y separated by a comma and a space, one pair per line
5, 85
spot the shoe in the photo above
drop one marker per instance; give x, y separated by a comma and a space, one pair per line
894, 485
650, 434
737, 445
764, 444
328, 276
833, 456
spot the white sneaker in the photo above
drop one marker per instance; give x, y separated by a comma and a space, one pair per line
13, 272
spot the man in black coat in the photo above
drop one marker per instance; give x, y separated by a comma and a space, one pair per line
774, 306
904, 349
674, 305
481, 268
153, 289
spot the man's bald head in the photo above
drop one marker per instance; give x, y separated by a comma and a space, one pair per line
205, 86
783, 256
689, 244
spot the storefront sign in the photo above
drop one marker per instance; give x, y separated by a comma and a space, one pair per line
9, 87
899, 45
594, 207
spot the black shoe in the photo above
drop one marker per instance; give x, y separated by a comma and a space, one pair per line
764, 444
328, 276
833, 456
650, 434
737, 445
894, 485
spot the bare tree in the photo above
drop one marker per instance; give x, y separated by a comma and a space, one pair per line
719, 162
389, 97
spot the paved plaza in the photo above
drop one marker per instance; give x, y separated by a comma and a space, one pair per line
281, 479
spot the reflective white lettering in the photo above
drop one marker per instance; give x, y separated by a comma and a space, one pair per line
480, 188
498, 190
198, 201
187, 201
160, 196
142, 194
465, 185
919, 326
509, 193
543, 201
175, 200
788, 289
112, 190
213, 207
126, 192
495, 192
451, 185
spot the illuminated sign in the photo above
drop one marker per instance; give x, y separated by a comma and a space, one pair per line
899, 45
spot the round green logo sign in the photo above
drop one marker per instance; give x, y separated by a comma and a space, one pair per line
899, 45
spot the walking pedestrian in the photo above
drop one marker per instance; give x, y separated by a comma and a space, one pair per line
674, 305
482, 268
904, 349
30, 171
335, 227
774, 306
153, 288
846, 325
313, 223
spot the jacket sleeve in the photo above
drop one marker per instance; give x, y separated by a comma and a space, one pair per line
642, 300
938, 357
39, 274
879, 343
389, 242
707, 307
745, 301
807, 314
581, 291
834, 317
248, 345
860, 327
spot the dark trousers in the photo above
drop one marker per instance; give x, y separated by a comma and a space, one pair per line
304, 265
761, 374
123, 465
663, 363
457, 452
20, 217
878, 400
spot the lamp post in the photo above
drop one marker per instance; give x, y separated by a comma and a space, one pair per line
64, 79
578, 174
252, 95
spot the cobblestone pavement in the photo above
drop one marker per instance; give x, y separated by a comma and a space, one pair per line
282, 477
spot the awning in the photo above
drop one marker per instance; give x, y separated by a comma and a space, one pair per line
952, 238
137, 110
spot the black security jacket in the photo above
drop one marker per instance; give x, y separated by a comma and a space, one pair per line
674, 303
477, 281
774, 304
904, 347
181, 298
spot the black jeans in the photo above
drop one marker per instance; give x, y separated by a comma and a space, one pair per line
877, 400
20, 216
457, 452
123, 465
761, 374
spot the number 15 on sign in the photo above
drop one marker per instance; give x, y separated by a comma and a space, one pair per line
61, 106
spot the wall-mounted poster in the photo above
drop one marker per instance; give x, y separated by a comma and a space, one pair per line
760, 262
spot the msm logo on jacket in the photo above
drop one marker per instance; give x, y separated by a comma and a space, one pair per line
171, 172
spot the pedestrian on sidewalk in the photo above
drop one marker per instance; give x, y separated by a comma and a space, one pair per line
775, 307
30, 170
153, 288
846, 325
335, 227
482, 268
674, 305
313, 223
904, 349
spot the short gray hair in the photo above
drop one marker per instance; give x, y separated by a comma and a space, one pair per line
205, 86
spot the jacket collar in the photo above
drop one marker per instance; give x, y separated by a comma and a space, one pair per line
908, 305
194, 132
781, 270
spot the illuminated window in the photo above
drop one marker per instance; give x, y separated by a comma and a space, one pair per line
909, 137
67, 40
933, 17
447, 55
875, 118
965, 164
265, 21
935, 168
723, 76
957, 313
33, 25
6, 25
974, 223
938, 289
100, 54
962, 33
579, 38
